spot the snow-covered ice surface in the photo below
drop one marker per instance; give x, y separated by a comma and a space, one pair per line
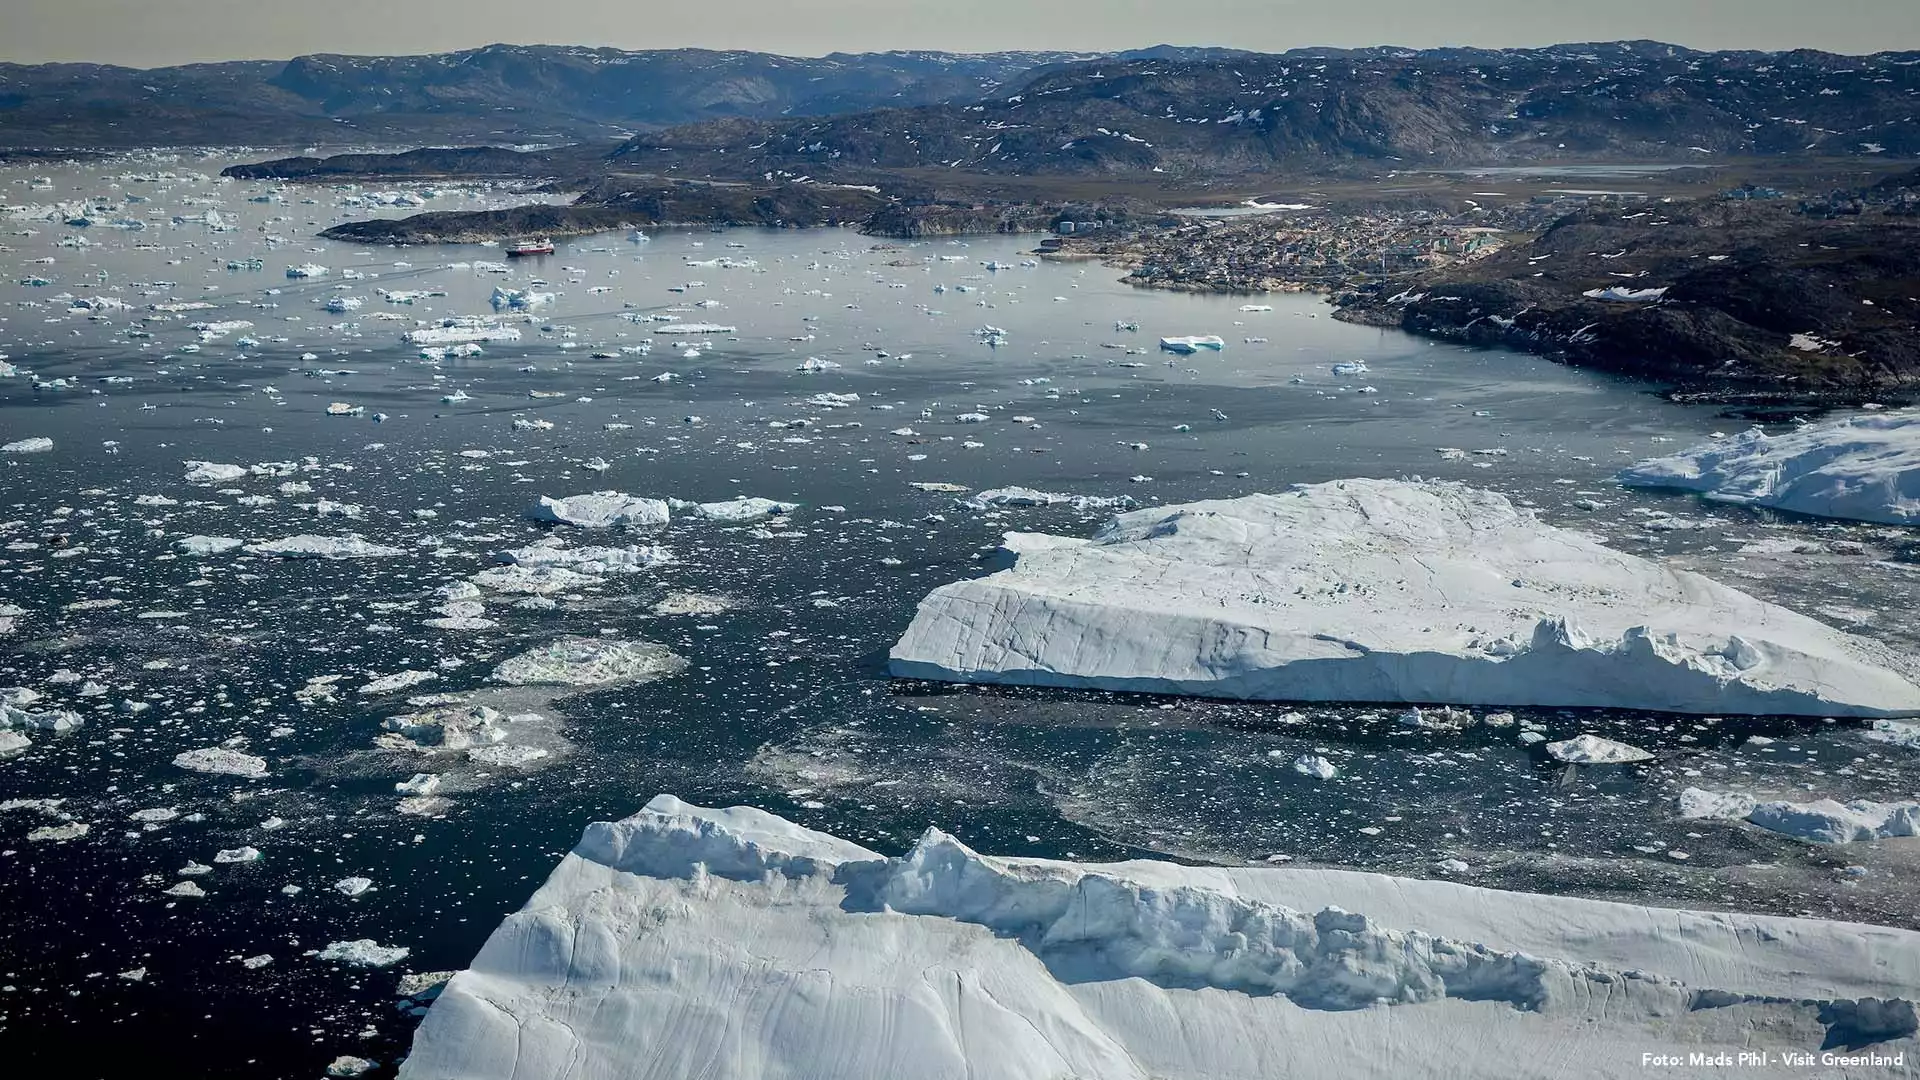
1367, 590
1861, 468
684, 942
158, 644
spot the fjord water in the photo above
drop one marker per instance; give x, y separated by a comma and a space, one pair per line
785, 704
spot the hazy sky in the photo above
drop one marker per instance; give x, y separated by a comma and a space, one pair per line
154, 32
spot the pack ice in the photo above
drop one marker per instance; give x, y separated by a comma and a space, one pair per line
1379, 590
1864, 468
686, 942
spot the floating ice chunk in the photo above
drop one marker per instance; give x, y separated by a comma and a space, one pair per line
420, 783
1594, 750
186, 889
517, 299
213, 472
449, 727
364, 952
579, 661
1862, 468
741, 509
39, 444
1193, 343
352, 886
1826, 821
223, 762
695, 328
691, 603
60, 834
1315, 766
322, 547
399, 680
1701, 805
207, 545
600, 510
534, 580
1373, 590
307, 270
346, 1066
589, 560
1020, 496
237, 855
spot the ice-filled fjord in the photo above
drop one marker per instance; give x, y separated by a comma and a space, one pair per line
298, 702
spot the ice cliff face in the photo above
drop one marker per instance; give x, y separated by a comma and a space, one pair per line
1377, 590
1864, 468
687, 942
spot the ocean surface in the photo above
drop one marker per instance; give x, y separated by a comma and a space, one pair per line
784, 623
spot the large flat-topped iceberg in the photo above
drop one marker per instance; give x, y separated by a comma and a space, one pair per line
1378, 590
1865, 468
684, 942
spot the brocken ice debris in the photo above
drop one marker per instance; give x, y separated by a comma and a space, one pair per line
322, 547
734, 943
364, 952
580, 661
221, 761
1374, 590
1863, 468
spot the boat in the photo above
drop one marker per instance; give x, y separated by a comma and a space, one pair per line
542, 246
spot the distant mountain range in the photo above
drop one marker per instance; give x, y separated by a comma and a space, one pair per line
500, 93
1313, 109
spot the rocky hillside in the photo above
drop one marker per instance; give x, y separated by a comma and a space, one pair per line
1756, 301
1319, 108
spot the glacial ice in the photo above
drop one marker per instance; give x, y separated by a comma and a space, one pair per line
1594, 750
322, 547
600, 510
685, 942
221, 761
39, 444
1861, 468
364, 952
1376, 590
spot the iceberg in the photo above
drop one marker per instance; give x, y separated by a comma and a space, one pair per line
457, 331
695, 328
1193, 344
685, 942
322, 547
1379, 591
1620, 294
740, 509
600, 510
590, 662
518, 299
39, 444
1862, 468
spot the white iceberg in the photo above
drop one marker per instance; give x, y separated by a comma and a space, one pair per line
684, 942
695, 328
1594, 750
741, 509
214, 472
207, 545
600, 510
322, 547
364, 952
221, 761
39, 444
1862, 468
1193, 343
1021, 496
518, 299
1376, 590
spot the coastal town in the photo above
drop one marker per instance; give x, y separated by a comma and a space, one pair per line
1301, 248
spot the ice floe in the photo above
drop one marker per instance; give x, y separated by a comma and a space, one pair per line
1863, 468
223, 762
600, 510
1375, 590
581, 661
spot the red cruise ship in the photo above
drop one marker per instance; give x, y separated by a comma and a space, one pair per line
541, 246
